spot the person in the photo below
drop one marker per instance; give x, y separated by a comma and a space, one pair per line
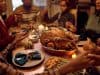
93, 24
82, 18
93, 50
27, 9
6, 41
3, 14
95, 70
65, 18
5, 37
96, 57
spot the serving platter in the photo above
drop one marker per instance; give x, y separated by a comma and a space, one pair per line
57, 62
29, 63
59, 52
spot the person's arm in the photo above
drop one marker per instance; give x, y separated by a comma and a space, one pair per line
6, 69
70, 23
11, 21
5, 41
98, 42
8, 49
50, 72
70, 27
97, 50
71, 18
81, 62
51, 19
96, 58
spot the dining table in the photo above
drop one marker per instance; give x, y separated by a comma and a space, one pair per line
41, 67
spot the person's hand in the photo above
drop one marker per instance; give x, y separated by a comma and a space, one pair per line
98, 41
18, 17
70, 27
97, 51
31, 25
89, 46
20, 37
7, 69
96, 58
82, 61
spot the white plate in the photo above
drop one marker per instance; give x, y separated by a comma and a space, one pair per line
30, 63
81, 43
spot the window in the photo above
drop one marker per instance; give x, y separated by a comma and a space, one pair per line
16, 3
39, 3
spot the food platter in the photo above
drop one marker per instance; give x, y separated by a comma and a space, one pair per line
33, 35
59, 52
29, 62
57, 62
57, 42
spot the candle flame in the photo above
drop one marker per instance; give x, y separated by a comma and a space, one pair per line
74, 56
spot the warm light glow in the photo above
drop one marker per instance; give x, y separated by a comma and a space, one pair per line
41, 27
46, 28
74, 56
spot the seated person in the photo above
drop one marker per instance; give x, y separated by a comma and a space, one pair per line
27, 11
93, 24
64, 17
5, 38
3, 5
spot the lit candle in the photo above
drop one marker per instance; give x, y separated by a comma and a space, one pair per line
46, 28
74, 56
41, 27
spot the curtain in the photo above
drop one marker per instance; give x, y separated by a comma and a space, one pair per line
9, 7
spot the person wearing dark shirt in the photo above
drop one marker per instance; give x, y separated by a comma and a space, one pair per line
93, 24
63, 17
